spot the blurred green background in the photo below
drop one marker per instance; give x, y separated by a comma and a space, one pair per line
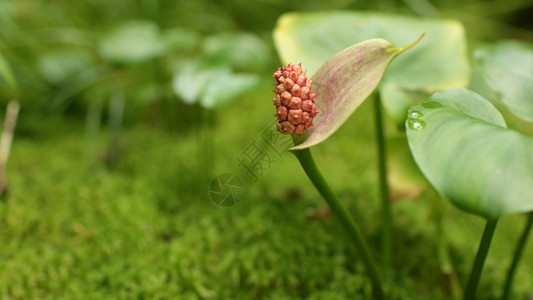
130, 108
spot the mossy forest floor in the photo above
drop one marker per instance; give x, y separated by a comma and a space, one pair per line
146, 229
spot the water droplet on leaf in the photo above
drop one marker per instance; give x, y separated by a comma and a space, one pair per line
416, 124
415, 114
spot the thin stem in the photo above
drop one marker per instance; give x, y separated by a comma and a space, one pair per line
310, 168
92, 127
116, 120
6, 139
470, 292
386, 215
208, 141
516, 258
446, 266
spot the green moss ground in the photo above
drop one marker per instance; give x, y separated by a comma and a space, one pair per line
147, 230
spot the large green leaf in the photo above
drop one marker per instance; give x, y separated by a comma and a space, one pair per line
439, 62
344, 81
507, 67
461, 143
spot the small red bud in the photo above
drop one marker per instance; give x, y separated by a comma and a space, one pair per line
301, 80
295, 91
295, 103
285, 98
277, 100
288, 84
307, 105
314, 112
299, 129
309, 122
286, 127
282, 113
295, 116
304, 93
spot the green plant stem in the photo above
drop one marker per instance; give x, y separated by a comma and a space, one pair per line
208, 141
475, 274
516, 258
446, 266
92, 128
386, 215
310, 168
116, 120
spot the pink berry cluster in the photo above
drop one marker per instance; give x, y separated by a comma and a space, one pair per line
294, 101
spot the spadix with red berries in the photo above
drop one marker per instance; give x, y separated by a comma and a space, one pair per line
294, 101
339, 86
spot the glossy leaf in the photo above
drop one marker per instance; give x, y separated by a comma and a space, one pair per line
6, 74
461, 143
438, 62
508, 70
344, 81
132, 42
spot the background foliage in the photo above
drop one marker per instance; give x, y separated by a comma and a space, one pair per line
120, 132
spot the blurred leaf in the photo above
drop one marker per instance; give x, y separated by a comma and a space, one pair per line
507, 67
224, 86
404, 176
396, 101
7, 9
36, 37
58, 66
181, 39
189, 81
148, 92
132, 42
211, 86
78, 83
6, 74
439, 62
461, 143
242, 50
344, 81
